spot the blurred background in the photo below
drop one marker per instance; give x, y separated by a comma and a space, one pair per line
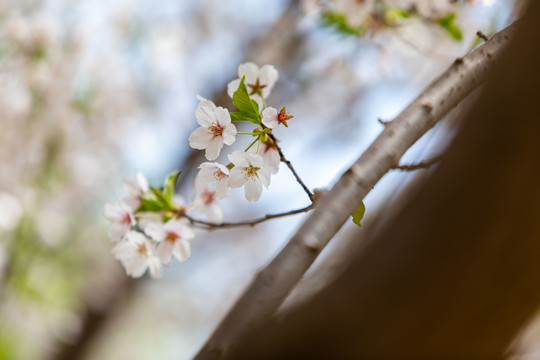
93, 91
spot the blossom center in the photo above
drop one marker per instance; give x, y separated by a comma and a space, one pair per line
141, 249
172, 237
256, 88
126, 219
283, 116
250, 172
219, 175
208, 197
215, 129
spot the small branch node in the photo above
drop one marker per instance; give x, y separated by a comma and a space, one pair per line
383, 122
420, 165
482, 36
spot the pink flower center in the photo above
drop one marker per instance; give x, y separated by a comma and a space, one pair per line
172, 237
250, 172
215, 129
283, 116
126, 219
141, 249
219, 175
208, 197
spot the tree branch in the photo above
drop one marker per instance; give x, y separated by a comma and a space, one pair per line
419, 165
213, 226
272, 284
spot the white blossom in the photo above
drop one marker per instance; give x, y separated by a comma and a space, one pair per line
136, 254
206, 200
173, 239
248, 171
214, 172
270, 156
135, 188
216, 129
259, 81
122, 218
272, 118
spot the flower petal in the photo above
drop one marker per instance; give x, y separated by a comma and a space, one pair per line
250, 70
213, 148
268, 75
223, 116
264, 177
238, 158
236, 178
229, 134
165, 251
222, 189
252, 189
200, 138
182, 250
270, 119
205, 113
232, 87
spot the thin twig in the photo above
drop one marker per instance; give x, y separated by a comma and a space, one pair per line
482, 36
213, 226
289, 165
419, 165
382, 122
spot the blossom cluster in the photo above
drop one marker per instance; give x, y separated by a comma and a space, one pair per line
151, 225
370, 16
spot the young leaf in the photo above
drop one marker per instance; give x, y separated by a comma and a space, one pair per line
243, 102
149, 204
161, 199
448, 24
243, 116
168, 187
358, 214
339, 23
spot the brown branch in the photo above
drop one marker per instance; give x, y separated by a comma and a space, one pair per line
419, 165
289, 165
382, 122
482, 36
213, 226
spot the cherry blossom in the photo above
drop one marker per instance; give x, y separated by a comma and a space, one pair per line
270, 156
216, 129
206, 200
272, 118
259, 81
172, 238
122, 217
248, 171
210, 172
137, 254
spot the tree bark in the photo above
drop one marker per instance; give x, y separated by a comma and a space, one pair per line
456, 275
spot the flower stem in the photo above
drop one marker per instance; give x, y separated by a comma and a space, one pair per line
253, 143
246, 133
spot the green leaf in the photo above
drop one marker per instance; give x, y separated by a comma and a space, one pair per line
339, 22
243, 116
243, 102
168, 187
448, 24
149, 203
358, 214
162, 199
